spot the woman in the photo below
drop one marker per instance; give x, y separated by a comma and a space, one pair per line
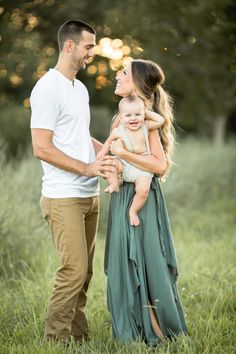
140, 262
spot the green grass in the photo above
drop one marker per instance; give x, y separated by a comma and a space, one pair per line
201, 198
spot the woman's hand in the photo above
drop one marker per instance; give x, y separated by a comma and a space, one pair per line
117, 147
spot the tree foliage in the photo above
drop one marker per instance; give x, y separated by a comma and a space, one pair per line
194, 42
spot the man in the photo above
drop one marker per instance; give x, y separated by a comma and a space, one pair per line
61, 140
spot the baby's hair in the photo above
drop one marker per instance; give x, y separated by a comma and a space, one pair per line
129, 99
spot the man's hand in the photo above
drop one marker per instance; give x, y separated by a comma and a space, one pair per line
101, 167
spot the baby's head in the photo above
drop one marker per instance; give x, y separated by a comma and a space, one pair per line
132, 112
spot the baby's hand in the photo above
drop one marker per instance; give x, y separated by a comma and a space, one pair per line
100, 154
117, 147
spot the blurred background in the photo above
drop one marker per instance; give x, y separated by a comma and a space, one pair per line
195, 44
193, 41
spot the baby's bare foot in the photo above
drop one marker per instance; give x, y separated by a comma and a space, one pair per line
133, 217
111, 189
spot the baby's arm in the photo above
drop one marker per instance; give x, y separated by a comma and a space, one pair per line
106, 146
104, 150
153, 120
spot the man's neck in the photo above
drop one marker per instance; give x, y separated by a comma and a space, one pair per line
66, 71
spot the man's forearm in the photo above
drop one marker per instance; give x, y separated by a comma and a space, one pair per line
52, 155
101, 167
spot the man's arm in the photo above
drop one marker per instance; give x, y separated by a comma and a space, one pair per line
45, 150
153, 120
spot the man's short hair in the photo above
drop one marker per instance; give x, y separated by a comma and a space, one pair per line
72, 29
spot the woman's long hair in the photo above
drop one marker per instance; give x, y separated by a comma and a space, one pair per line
148, 78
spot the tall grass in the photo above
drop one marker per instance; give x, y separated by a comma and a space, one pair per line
201, 198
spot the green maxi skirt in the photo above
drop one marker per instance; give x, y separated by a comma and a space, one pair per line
141, 268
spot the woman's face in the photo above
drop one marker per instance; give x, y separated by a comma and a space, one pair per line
125, 85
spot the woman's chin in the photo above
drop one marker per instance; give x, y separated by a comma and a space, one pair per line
121, 93
117, 92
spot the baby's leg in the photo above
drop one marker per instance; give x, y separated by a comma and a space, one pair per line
142, 187
113, 178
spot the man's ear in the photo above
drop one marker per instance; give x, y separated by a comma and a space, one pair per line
68, 46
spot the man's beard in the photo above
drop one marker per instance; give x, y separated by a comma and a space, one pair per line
79, 65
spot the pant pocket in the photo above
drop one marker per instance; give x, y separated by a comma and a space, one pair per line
45, 206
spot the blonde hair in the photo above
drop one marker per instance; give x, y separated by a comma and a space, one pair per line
148, 78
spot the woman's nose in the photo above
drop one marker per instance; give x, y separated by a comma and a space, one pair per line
118, 74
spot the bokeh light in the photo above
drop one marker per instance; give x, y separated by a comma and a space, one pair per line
117, 52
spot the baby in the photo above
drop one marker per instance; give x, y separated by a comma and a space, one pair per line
133, 131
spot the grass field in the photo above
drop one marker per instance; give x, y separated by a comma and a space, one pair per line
201, 198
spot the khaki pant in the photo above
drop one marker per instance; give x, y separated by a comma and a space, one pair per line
73, 223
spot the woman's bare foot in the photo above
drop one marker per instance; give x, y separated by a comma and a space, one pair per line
155, 325
133, 217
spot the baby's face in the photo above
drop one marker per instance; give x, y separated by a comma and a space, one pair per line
132, 115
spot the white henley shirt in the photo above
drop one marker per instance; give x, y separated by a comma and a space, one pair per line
62, 106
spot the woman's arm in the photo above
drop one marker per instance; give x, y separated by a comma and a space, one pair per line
115, 121
97, 145
106, 146
154, 163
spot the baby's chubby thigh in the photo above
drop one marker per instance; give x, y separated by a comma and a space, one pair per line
142, 185
118, 165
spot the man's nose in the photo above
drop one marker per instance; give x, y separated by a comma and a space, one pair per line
91, 52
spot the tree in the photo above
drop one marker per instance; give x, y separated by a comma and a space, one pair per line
29, 48
195, 44
193, 41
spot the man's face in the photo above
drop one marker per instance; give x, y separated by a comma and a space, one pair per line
83, 51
